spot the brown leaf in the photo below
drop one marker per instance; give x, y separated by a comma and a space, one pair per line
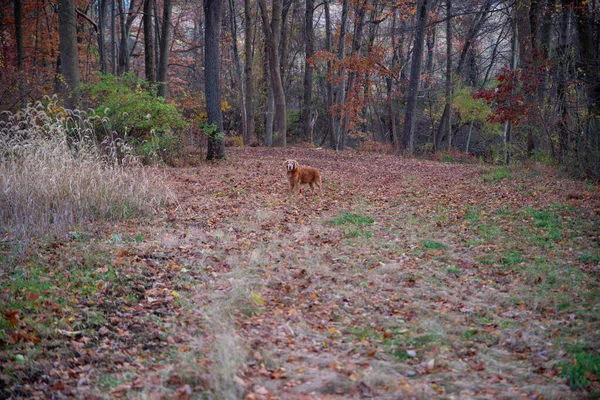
184, 392
12, 316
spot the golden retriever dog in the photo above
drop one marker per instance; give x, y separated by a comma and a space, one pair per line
298, 175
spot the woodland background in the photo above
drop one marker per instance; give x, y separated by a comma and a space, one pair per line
490, 78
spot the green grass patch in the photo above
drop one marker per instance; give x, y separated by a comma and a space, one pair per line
353, 224
473, 214
396, 343
453, 270
347, 218
588, 258
581, 370
551, 276
497, 175
512, 257
43, 295
433, 245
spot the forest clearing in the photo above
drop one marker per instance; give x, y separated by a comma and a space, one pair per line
151, 248
406, 278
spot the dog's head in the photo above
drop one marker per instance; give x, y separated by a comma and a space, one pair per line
291, 165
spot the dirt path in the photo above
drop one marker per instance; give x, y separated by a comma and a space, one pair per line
390, 285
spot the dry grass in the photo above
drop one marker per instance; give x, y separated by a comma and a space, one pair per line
55, 177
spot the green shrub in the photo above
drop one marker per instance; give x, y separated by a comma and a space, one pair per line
128, 106
158, 147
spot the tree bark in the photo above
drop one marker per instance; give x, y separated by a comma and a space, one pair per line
355, 51
340, 89
157, 35
515, 62
113, 38
588, 31
283, 41
19, 34
330, 118
165, 41
545, 43
212, 14
562, 52
272, 34
238, 68
308, 69
390, 86
449, 71
270, 101
69, 53
101, 35
527, 43
149, 65
249, 94
123, 65
408, 132
430, 40
126, 19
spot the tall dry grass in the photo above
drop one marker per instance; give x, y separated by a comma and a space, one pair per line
55, 177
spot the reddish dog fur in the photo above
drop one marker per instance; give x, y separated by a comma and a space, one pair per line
298, 175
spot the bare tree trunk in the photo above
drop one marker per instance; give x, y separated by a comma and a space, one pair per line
390, 86
356, 45
165, 41
563, 52
545, 43
430, 40
527, 47
308, 69
469, 136
212, 80
126, 19
445, 127
113, 38
69, 53
19, 34
449, 71
283, 41
408, 133
330, 119
515, 60
157, 36
123, 65
238, 68
340, 89
101, 34
270, 102
588, 33
148, 43
272, 34
249, 94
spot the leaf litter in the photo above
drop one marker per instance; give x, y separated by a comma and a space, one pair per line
405, 279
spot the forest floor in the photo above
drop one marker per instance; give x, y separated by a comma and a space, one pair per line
405, 279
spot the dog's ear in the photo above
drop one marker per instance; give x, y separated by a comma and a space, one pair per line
296, 164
